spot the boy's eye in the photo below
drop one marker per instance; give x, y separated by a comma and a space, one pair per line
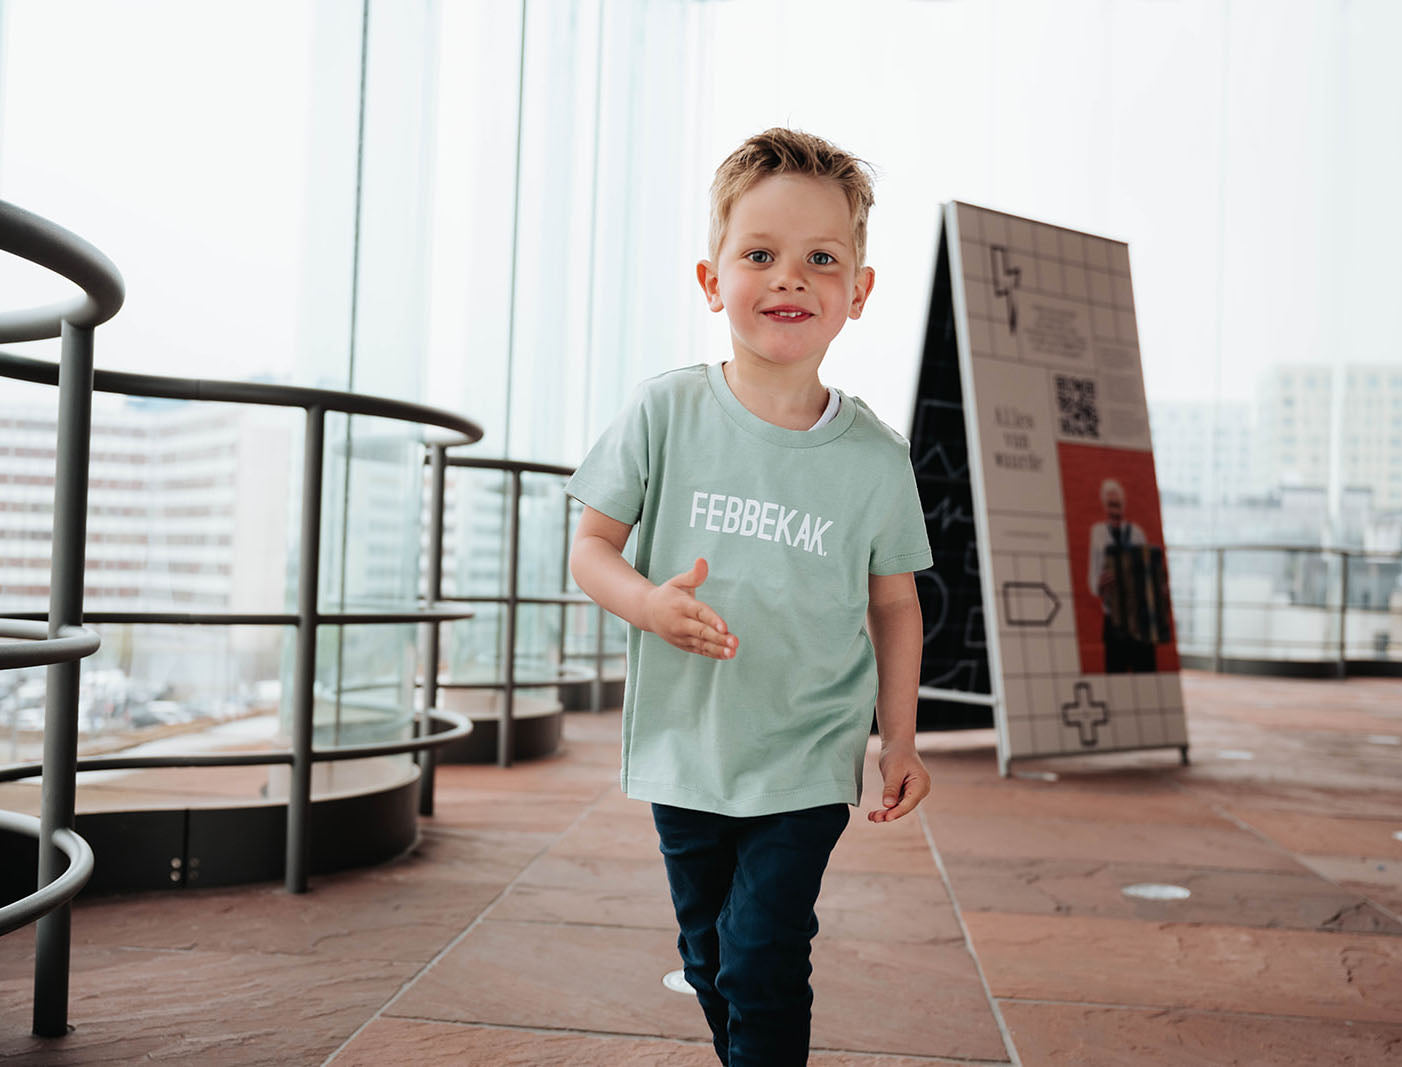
759, 256
822, 259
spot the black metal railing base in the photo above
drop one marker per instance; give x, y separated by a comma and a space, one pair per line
1292, 668
205, 847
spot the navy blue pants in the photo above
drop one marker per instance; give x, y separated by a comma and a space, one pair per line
744, 890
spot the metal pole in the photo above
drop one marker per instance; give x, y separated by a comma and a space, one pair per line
506, 725
565, 585
427, 758
53, 934
1343, 613
1221, 554
299, 792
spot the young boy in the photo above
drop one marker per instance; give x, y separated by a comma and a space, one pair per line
746, 714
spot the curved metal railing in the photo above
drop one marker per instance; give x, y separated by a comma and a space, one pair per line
459, 726
511, 599
317, 403
60, 636
1267, 607
39, 649
43, 243
58, 892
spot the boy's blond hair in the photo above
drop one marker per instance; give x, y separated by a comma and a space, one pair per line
783, 151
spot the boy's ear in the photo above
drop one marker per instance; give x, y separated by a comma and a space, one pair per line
710, 284
866, 278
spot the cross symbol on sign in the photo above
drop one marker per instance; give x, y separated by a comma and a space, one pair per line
1086, 714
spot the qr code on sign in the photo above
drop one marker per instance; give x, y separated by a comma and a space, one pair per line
1075, 404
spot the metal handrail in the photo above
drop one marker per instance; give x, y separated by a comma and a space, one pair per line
460, 728
437, 460
39, 649
48, 245
235, 618
1252, 546
1339, 659
267, 394
62, 889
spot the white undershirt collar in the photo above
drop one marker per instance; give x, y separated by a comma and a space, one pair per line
830, 412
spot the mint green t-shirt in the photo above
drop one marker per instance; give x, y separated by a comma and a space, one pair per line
791, 523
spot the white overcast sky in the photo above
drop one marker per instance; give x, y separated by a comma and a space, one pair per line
1235, 146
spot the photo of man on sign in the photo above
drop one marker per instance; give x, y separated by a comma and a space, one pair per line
1123, 616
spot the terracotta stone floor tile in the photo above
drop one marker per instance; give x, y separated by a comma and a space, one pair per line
1286, 764
884, 848
1302, 795
1325, 835
613, 800
532, 924
137, 1005
558, 774
478, 855
594, 978
886, 907
1078, 1035
589, 889
1071, 800
1173, 965
392, 1041
1049, 838
1378, 880
885, 997
499, 810
366, 921
425, 1044
1093, 888
615, 834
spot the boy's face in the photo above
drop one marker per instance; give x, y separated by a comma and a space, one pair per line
786, 272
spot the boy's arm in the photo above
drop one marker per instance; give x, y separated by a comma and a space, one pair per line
897, 635
670, 610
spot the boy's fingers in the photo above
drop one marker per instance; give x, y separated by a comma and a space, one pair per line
711, 649
906, 806
910, 793
707, 617
714, 643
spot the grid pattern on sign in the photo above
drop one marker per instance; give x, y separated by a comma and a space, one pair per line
1010, 265
1048, 261
1040, 675
1070, 299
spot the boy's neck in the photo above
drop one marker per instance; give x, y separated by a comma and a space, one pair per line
791, 397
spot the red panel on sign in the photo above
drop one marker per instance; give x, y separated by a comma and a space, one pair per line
1114, 534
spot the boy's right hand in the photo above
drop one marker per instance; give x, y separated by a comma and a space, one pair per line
675, 615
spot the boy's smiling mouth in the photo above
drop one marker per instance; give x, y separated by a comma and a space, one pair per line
787, 313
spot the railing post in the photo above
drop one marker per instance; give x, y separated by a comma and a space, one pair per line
1221, 555
565, 585
54, 931
506, 724
427, 757
1343, 612
299, 792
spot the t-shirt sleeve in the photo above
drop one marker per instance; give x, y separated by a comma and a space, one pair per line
902, 543
613, 477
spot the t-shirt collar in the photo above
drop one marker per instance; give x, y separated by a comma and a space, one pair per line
779, 435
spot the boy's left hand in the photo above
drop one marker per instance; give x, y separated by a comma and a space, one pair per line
905, 783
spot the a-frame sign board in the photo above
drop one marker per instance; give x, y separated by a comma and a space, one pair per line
1030, 440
